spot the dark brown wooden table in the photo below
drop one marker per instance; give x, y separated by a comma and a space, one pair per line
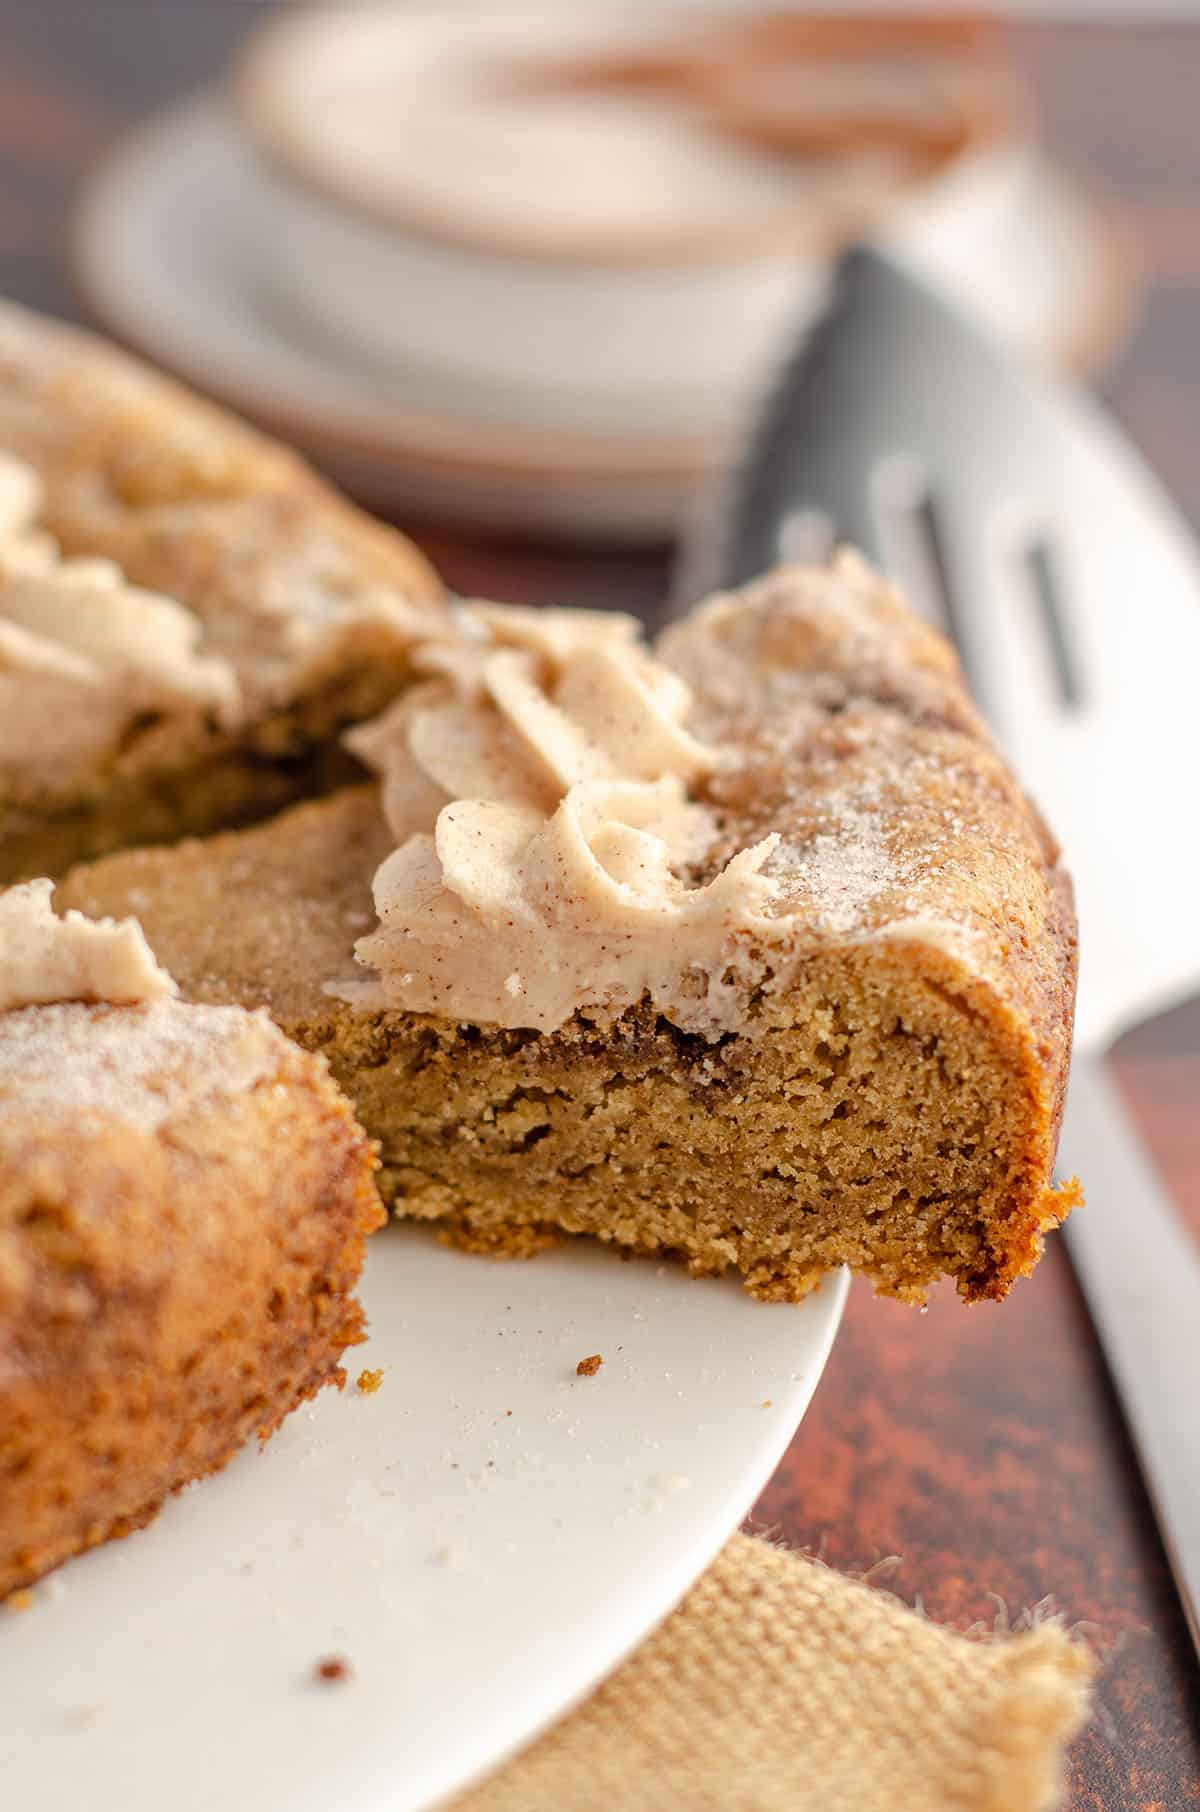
982, 1446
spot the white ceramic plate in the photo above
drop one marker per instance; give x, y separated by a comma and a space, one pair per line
479, 1570
171, 246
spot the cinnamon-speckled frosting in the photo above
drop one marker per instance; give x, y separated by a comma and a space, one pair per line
46, 958
538, 787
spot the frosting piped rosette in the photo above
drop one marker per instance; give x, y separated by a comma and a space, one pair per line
540, 784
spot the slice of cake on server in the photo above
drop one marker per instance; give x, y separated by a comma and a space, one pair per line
747, 948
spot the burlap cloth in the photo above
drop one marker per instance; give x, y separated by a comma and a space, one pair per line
782, 1686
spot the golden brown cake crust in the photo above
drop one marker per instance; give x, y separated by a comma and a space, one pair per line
192, 503
165, 1293
896, 1106
856, 728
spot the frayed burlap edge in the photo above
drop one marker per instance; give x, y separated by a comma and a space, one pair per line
779, 1685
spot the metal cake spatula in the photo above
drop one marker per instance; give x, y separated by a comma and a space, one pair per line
1022, 523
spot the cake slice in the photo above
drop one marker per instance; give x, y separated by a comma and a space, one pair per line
188, 615
184, 1198
750, 950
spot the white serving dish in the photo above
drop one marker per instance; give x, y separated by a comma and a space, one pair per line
651, 281
478, 1569
168, 248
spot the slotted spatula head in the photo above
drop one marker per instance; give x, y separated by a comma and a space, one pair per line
1017, 518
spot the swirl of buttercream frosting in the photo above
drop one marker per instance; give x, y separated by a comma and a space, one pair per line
83, 654
538, 783
44, 957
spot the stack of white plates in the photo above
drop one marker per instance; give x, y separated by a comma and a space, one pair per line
547, 318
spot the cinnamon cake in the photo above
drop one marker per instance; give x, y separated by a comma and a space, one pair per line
188, 615
184, 1198
749, 949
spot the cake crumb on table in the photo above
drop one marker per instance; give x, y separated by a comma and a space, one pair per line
368, 1382
587, 1368
332, 1669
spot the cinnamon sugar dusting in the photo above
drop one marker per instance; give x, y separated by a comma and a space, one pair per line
138, 1066
838, 873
